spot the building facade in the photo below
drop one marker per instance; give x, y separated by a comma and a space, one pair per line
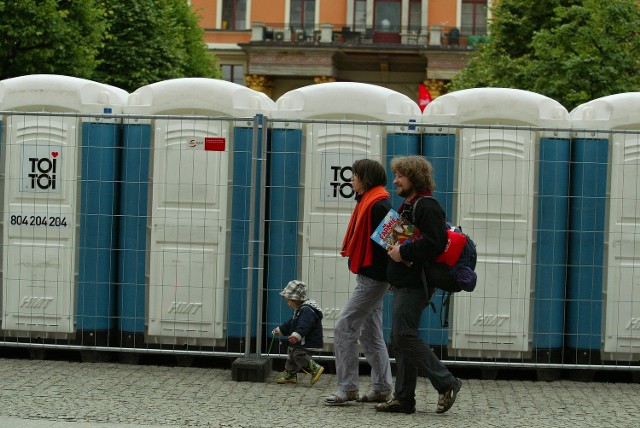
274, 46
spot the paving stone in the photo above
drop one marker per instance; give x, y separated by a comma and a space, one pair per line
61, 394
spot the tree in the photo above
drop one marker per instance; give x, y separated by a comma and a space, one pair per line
571, 51
125, 43
151, 40
198, 61
50, 37
597, 45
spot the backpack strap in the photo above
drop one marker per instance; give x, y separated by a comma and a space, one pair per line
425, 285
446, 295
412, 206
444, 311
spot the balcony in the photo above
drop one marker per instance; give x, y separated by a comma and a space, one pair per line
330, 35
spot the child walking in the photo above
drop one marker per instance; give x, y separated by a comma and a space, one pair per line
304, 329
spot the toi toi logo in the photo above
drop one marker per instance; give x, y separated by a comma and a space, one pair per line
341, 181
42, 172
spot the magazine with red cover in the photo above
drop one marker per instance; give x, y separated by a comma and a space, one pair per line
397, 230
394, 230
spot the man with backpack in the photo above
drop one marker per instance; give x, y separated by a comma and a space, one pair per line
414, 181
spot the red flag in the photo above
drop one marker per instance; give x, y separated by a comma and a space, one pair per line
424, 96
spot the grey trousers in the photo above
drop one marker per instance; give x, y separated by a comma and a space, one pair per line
298, 358
361, 320
413, 356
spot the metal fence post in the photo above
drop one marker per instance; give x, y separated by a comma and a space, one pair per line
254, 368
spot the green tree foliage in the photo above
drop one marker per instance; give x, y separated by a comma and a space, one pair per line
596, 46
49, 36
151, 40
125, 43
571, 51
198, 62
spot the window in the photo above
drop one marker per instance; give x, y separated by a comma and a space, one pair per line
474, 17
415, 16
234, 14
233, 73
359, 15
387, 15
303, 14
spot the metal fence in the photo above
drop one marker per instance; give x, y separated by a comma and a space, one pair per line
174, 234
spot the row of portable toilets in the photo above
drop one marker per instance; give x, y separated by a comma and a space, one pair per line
158, 215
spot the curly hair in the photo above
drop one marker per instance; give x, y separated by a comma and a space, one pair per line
417, 169
370, 172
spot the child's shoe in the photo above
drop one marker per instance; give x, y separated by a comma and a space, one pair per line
288, 377
315, 370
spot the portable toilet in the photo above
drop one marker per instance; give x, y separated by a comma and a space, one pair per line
603, 288
318, 132
59, 181
186, 193
503, 159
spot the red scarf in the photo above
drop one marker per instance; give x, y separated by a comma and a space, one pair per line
357, 243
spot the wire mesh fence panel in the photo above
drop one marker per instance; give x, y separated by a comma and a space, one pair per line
174, 234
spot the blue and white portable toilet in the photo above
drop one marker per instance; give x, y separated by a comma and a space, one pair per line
603, 291
185, 202
318, 132
59, 179
505, 158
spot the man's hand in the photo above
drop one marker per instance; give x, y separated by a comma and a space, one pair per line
393, 251
293, 340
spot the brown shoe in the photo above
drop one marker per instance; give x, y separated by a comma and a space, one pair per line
446, 400
394, 406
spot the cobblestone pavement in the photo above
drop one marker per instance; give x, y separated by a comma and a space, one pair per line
65, 394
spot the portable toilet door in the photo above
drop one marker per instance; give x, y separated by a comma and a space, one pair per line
60, 179
499, 190
343, 122
604, 281
199, 161
439, 148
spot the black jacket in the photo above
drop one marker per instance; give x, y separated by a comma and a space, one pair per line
430, 218
306, 322
378, 270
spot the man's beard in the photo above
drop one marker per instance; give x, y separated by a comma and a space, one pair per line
404, 191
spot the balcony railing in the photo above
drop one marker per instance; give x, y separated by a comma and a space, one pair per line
330, 34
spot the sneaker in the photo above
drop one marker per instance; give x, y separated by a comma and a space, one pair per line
446, 400
288, 377
316, 370
341, 397
376, 397
394, 406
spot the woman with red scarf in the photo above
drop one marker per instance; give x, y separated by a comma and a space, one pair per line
361, 318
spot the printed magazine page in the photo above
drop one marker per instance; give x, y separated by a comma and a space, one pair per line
394, 230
